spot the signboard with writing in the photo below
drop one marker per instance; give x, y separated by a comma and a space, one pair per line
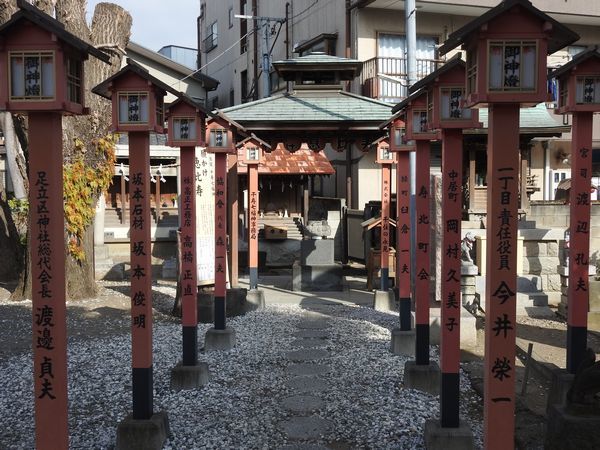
205, 216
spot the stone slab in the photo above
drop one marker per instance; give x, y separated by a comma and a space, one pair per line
148, 434
219, 340
301, 428
302, 404
566, 431
312, 354
438, 438
307, 369
189, 377
384, 301
316, 251
309, 343
403, 342
256, 298
313, 324
469, 269
424, 378
307, 384
317, 334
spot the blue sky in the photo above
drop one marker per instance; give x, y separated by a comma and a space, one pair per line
176, 17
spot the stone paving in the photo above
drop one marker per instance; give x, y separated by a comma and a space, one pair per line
308, 377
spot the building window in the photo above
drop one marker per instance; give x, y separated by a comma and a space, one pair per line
244, 85
243, 29
74, 74
133, 107
230, 13
212, 33
32, 76
513, 66
231, 97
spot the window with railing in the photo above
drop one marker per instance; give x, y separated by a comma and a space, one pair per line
212, 33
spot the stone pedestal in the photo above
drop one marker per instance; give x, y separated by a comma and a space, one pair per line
482, 249
321, 277
316, 251
594, 313
219, 340
403, 342
468, 272
561, 383
236, 304
438, 438
384, 301
424, 378
468, 328
148, 434
566, 431
256, 298
189, 377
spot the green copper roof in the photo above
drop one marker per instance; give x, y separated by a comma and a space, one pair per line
531, 121
312, 107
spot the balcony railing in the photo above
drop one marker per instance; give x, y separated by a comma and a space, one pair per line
386, 89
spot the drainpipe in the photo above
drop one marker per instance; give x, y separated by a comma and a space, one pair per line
255, 51
348, 31
287, 30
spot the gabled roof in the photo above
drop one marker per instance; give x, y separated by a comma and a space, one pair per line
404, 103
579, 58
453, 62
209, 83
50, 24
559, 38
320, 62
255, 138
283, 162
304, 107
102, 88
182, 97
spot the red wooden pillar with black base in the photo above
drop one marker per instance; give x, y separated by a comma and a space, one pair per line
186, 120
251, 154
39, 61
420, 373
383, 297
506, 52
579, 95
444, 90
137, 109
219, 140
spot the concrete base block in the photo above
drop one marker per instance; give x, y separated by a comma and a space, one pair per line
384, 301
403, 342
148, 434
438, 438
468, 329
424, 378
561, 383
189, 377
566, 431
219, 340
256, 298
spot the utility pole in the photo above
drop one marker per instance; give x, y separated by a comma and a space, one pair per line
410, 12
265, 24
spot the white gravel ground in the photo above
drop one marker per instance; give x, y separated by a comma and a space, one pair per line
241, 406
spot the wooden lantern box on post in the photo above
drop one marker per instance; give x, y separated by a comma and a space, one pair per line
186, 122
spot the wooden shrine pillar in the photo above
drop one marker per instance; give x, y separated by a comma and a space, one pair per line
233, 219
579, 239
501, 279
403, 238
123, 198
47, 256
386, 170
451, 263
220, 239
253, 207
422, 257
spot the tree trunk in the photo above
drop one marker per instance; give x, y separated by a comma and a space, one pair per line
17, 166
11, 250
110, 29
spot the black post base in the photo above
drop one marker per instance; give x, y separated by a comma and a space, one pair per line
422, 344
450, 400
576, 347
142, 393
190, 346
219, 313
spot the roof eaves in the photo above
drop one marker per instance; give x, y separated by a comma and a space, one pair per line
450, 64
366, 99
577, 59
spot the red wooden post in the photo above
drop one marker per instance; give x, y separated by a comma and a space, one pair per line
253, 207
451, 302
386, 170
123, 197
47, 256
188, 276
579, 238
501, 280
403, 238
141, 274
220, 239
423, 264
